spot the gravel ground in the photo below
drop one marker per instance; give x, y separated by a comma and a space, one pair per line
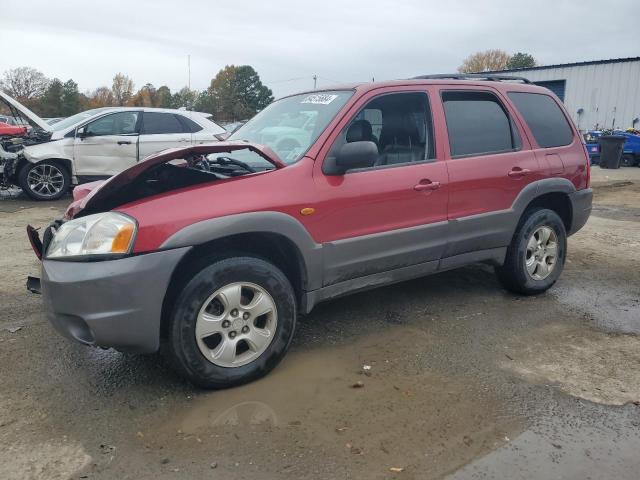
466, 380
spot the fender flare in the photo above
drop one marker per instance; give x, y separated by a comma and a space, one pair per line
255, 222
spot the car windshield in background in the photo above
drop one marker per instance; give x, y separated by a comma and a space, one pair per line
75, 119
291, 125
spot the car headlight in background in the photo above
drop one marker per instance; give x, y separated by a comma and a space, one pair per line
100, 234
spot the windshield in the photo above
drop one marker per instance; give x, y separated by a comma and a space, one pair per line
291, 125
75, 119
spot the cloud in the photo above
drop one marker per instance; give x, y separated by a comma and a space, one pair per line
337, 40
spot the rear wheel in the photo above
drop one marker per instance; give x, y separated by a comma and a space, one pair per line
628, 160
232, 323
47, 180
536, 256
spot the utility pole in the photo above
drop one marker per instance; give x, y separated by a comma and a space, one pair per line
315, 81
189, 69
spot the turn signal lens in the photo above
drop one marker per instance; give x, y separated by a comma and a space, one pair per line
122, 240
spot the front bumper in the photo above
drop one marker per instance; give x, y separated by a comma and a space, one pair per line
581, 208
113, 303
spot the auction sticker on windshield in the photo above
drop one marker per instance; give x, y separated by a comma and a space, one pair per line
319, 98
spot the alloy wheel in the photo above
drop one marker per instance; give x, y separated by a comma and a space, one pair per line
46, 180
542, 253
236, 324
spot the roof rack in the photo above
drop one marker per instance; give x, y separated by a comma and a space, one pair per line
472, 76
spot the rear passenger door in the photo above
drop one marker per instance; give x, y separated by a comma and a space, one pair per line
489, 163
162, 130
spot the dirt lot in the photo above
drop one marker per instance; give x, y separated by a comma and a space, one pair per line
466, 380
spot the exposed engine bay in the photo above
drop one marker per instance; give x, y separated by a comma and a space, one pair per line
175, 169
13, 138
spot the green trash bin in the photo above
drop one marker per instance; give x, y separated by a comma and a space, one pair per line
611, 150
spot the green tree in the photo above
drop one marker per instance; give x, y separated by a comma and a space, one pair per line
50, 104
521, 60
163, 97
184, 98
238, 93
70, 99
205, 102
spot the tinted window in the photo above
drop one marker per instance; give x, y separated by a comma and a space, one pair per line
544, 117
188, 124
400, 126
155, 123
123, 123
478, 124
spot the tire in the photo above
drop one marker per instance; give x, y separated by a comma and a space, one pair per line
627, 160
56, 183
210, 294
523, 271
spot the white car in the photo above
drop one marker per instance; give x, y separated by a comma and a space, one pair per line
99, 143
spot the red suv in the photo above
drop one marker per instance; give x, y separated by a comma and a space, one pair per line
210, 252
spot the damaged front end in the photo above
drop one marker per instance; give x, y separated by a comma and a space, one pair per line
171, 170
25, 129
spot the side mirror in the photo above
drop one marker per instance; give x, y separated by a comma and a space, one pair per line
81, 132
353, 155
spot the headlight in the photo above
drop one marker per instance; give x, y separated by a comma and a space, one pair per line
100, 234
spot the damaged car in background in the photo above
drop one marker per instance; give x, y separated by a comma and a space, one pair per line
92, 145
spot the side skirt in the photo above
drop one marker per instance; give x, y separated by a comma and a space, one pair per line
310, 299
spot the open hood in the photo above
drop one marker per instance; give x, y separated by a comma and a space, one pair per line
101, 196
31, 117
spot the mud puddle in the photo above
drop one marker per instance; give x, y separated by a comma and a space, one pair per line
323, 405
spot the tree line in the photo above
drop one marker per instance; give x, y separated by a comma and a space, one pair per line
235, 93
496, 59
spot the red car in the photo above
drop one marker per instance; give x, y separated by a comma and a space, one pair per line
7, 130
210, 252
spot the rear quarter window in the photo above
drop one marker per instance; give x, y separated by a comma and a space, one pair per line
544, 117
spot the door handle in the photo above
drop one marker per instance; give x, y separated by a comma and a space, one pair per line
426, 185
124, 142
184, 140
517, 172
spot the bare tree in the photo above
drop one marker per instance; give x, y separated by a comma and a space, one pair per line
100, 97
484, 61
122, 89
24, 83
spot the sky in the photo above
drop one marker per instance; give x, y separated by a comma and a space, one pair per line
288, 42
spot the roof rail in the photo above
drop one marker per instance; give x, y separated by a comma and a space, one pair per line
471, 76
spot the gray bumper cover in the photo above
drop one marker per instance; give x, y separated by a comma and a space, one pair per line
114, 303
581, 207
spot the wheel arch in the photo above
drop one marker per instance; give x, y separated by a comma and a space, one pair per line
551, 193
282, 240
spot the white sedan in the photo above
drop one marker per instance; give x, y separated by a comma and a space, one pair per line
102, 142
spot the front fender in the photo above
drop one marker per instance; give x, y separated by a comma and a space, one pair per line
255, 222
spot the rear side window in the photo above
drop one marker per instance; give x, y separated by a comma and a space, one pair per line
544, 117
478, 124
189, 125
154, 123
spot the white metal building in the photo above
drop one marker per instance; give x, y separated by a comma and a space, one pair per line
600, 93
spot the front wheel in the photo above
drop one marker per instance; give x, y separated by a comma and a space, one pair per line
232, 323
536, 256
47, 180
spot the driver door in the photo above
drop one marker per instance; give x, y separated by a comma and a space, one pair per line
107, 146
